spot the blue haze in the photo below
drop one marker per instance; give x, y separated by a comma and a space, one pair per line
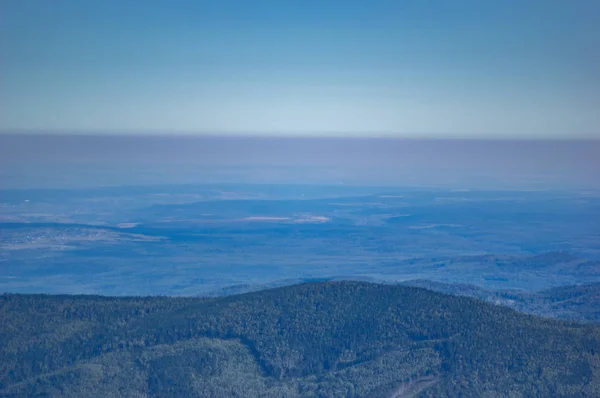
192, 215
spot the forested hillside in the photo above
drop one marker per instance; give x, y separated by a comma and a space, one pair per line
324, 339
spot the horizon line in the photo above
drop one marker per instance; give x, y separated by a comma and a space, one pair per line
292, 135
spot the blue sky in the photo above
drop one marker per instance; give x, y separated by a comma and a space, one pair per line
483, 69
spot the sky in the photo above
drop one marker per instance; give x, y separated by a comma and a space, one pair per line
418, 69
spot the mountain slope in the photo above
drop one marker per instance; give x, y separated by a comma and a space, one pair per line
316, 339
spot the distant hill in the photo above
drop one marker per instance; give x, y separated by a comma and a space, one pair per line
322, 339
570, 302
575, 303
502, 272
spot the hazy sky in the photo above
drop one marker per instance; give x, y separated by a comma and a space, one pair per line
409, 68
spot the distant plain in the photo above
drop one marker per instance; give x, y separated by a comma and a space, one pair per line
195, 239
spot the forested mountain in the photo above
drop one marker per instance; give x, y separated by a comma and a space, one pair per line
349, 339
